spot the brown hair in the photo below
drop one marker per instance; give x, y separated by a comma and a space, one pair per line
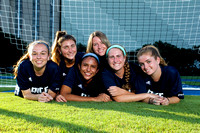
153, 51
27, 53
126, 86
101, 36
61, 36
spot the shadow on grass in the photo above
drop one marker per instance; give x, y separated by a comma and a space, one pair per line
182, 111
47, 122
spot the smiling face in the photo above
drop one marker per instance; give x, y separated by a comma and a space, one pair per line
68, 49
89, 67
39, 56
98, 47
149, 64
116, 59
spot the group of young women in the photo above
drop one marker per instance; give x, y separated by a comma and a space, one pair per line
103, 73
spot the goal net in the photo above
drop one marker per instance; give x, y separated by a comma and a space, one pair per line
131, 23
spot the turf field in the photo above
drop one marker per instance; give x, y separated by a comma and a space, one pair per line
20, 115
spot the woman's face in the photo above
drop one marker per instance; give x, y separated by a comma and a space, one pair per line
149, 64
116, 59
68, 49
39, 56
89, 67
98, 47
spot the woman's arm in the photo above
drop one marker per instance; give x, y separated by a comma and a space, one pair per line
43, 97
116, 91
28, 95
134, 97
170, 100
164, 100
66, 93
121, 95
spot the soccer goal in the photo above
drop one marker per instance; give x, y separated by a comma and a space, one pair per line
131, 23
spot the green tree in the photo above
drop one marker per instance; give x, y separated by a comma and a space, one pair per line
81, 47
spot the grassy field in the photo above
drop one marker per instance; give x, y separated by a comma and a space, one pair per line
20, 115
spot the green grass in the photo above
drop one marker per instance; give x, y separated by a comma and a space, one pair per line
6, 89
20, 115
190, 77
191, 83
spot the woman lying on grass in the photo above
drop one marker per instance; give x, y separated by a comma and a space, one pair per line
64, 52
161, 79
122, 79
38, 78
98, 43
83, 84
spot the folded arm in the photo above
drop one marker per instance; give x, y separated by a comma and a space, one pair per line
43, 97
121, 95
66, 95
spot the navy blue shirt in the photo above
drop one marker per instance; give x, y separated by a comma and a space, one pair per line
110, 79
76, 82
103, 63
64, 69
169, 84
26, 78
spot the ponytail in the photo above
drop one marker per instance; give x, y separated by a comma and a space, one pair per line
24, 57
56, 45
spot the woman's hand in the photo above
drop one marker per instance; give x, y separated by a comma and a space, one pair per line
44, 97
116, 91
60, 98
103, 98
159, 101
155, 99
165, 101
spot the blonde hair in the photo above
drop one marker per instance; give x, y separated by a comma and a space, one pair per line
153, 51
101, 36
61, 36
27, 53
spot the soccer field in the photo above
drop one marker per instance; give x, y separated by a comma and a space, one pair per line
20, 115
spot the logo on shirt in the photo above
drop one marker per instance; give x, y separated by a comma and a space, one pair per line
151, 92
16, 90
84, 95
80, 86
148, 83
39, 90
30, 79
64, 74
179, 95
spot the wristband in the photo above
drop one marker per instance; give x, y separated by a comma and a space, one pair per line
167, 99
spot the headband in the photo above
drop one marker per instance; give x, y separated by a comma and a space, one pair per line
115, 46
40, 42
91, 55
